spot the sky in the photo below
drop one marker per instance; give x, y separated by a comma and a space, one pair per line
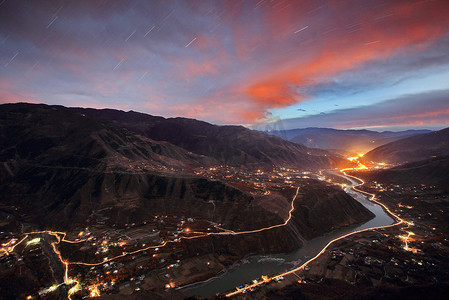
380, 65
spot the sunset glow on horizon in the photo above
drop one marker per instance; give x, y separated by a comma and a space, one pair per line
381, 65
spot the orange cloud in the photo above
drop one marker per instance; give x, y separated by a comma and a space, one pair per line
250, 116
217, 111
274, 93
411, 28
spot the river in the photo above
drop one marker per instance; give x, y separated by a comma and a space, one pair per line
256, 266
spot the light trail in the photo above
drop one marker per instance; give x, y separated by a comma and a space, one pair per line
231, 232
67, 279
373, 197
405, 238
190, 43
267, 279
201, 234
299, 30
61, 237
7, 248
122, 255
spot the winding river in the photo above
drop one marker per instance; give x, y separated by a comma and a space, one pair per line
255, 266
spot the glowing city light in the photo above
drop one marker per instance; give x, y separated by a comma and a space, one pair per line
94, 291
34, 241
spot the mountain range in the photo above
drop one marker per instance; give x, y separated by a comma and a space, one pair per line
65, 168
346, 142
414, 148
231, 145
38, 132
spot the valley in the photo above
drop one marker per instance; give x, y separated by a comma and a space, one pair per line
118, 259
127, 215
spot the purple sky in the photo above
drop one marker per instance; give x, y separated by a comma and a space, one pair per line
342, 64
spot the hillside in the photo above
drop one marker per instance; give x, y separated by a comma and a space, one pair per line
55, 136
232, 145
434, 171
164, 142
420, 147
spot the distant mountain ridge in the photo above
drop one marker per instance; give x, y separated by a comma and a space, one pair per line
410, 149
343, 141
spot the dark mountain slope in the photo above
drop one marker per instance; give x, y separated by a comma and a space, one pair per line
420, 147
233, 145
56, 136
434, 171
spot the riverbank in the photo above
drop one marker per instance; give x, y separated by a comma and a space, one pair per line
406, 261
255, 268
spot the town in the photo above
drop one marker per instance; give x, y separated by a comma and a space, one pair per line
152, 255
